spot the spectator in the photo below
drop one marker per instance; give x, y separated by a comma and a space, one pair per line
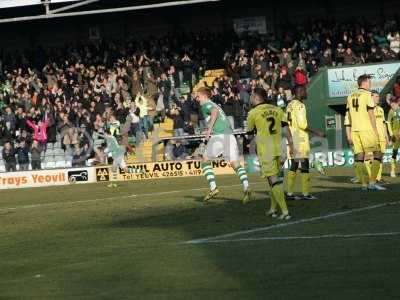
9, 157
300, 77
141, 104
349, 58
134, 118
79, 156
394, 42
396, 87
39, 132
100, 157
36, 152
23, 156
179, 151
178, 118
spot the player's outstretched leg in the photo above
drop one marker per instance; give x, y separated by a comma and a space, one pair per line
208, 172
242, 174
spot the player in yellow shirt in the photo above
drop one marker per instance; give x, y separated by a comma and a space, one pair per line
382, 131
267, 120
365, 137
297, 118
394, 132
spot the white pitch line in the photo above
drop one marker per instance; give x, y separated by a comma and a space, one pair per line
312, 237
301, 221
117, 197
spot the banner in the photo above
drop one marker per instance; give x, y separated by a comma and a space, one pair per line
343, 81
329, 159
42, 178
251, 24
158, 170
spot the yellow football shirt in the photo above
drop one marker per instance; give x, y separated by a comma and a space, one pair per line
358, 104
296, 115
393, 123
380, 122
267, 120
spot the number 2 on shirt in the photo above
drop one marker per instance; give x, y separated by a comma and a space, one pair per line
271, 127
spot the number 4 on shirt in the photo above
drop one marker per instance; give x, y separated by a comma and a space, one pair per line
355, 103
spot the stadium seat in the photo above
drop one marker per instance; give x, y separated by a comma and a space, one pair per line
60, 164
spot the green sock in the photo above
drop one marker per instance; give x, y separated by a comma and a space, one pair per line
241, 173
208, 172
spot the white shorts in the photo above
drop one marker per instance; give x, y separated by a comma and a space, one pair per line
222, 144
119, 162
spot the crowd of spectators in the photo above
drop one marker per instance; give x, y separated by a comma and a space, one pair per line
66, 94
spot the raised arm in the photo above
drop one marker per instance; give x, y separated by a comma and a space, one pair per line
31, 124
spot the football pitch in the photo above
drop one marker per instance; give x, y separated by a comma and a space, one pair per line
157, 240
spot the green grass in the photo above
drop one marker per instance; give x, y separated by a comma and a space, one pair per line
127, 244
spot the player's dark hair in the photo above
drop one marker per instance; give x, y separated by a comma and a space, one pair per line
261, 94
300, 92
363, 78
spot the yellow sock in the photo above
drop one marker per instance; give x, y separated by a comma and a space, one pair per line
375, 169
273, 202
290, 181
393, 166
279, 196
359, 170
379, 175
367, 164
305, 183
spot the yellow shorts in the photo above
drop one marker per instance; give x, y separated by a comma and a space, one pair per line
301, 150
382, 146
270, 167
365, 141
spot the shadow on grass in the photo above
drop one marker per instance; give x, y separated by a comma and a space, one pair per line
258, 267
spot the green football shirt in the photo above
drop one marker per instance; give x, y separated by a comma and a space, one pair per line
113, 147
222, 124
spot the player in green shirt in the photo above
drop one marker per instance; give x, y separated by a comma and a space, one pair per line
117, 152
220, 141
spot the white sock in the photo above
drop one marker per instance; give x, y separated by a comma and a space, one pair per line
245, 185
213, 185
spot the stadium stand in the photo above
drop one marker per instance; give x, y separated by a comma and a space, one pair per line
143, 89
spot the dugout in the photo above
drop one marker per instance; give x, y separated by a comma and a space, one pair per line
328, 90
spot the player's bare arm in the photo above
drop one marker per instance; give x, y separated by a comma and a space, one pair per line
213, 118
373, 120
